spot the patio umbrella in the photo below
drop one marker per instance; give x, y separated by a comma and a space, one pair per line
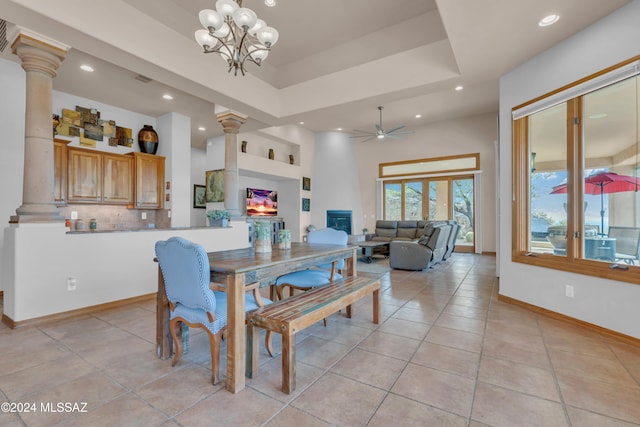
601, 183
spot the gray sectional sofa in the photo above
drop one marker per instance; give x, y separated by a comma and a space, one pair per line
389, 231
435, 244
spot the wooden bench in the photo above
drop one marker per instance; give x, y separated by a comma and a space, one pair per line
292, 315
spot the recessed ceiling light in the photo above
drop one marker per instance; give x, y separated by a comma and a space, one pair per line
270, 3
201, 128
87, 68
167, 96
459, 88
338, 128
548, 20
418, 116
301, 123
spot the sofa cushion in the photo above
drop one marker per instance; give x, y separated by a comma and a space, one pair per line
386, 229
420, 228
406, 230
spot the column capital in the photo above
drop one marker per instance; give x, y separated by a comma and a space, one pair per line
38, 52
231, 121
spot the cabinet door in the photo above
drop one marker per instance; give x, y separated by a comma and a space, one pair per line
60, 171
149, 189
117, 179
84, 176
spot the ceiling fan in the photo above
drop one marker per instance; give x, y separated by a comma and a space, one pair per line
380, 133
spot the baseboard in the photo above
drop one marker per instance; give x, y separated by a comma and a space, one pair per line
554, 315
37, 321
488, 253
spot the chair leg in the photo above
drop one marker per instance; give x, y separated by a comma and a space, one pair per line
176, 333
214, 344
268, 342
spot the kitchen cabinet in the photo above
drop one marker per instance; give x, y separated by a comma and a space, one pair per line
117, 179
84, 176
99, 177
60, 171
149, 181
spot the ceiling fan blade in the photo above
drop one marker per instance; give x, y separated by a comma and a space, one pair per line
394, 129
369, 139
406, 132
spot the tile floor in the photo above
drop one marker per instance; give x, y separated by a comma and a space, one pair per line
446, 352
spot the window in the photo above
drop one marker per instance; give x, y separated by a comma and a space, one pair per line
576, 177
444, 194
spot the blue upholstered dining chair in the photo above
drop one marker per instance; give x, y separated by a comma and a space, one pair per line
305, 280
186, 273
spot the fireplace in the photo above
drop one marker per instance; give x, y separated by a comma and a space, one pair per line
339, 220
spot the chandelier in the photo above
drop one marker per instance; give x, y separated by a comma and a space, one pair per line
236, 33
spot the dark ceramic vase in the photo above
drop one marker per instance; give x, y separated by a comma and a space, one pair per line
148, 140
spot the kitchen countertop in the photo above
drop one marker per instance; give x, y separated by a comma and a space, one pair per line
128, 230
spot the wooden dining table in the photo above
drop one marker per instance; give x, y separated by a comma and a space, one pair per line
235, 269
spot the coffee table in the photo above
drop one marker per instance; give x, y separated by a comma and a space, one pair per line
369, 246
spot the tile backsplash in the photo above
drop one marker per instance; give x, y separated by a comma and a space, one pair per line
110, 217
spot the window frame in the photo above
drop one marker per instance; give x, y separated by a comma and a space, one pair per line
521, 182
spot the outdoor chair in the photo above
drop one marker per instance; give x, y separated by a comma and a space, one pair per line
186, 274
627, 243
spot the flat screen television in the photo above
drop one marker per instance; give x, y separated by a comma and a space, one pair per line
262, 202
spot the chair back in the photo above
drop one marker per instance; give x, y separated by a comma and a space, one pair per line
627, 240
185, 269
329, 236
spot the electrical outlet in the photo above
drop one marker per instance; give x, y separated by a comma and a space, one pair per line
568, 291
143, 215
74, 215
72, 284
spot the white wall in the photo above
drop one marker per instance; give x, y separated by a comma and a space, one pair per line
606, 303
198, 171
104, 272
335, 184
476, 134
175, 146
12, 106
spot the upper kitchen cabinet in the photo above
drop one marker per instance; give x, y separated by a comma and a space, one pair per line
84, 176
60, 171
149, 180
117, 179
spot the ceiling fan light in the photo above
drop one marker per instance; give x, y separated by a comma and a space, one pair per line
380, 136
210, 19
226, 7
245, 17
268, 36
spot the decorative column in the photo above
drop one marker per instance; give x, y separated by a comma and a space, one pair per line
231, 123
40, 58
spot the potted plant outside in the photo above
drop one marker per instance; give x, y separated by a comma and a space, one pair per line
218, 218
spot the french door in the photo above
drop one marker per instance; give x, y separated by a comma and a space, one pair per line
436, 199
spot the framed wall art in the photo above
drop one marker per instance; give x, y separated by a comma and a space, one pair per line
306, 205
306, 183
215, 185
199, 196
